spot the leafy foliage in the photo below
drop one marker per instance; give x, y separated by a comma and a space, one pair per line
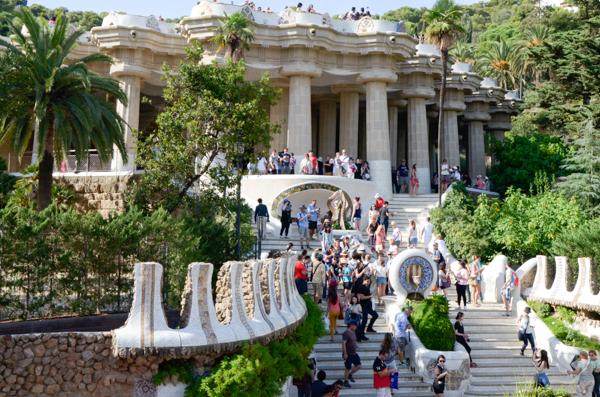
521, 158
63, 262
69, 101
235, 34
542, 309
211, 115
257, 371
7, 181
432, 324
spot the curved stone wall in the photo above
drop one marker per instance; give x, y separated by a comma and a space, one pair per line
240, 306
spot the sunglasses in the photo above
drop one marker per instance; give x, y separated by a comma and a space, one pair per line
442, 361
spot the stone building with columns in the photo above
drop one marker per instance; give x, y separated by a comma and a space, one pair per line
364, 86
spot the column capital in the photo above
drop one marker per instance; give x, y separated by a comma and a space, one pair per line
478, 111
377, 75
122, 69
280, 83
348, 88
398, 103
416, 85
300, 69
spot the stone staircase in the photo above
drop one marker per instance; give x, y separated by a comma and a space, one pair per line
329, 359
405, 207
495, 350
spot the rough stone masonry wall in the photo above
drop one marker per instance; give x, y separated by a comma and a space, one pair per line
104, 194
223, 294
264, 286
68, 364
247, 289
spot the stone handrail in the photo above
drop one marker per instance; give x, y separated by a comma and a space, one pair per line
240, 313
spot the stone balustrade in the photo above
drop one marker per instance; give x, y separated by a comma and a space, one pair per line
256, 301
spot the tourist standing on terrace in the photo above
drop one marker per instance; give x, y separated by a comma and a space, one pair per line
302, 219
356, 213
400, 326
314, 212
445, 175
328, 166
286, 218
261, 217
315, 162
462, 277
365, 171
586, 378
403, 177
285, 161
349, 354
306, 165
414, 181
274, 162
292, 163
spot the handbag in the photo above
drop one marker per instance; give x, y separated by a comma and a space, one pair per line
367, 176
341, 314
521, 335
446, 284
414, 181
394, 381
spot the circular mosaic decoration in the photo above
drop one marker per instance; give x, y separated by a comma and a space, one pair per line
366, 24
416, 274
247, 12
287, 17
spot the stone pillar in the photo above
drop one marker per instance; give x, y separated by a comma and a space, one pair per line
131, 78
454, 103
402, 138
499, 124
362, 133
477, 113
393, 106
349, 115
299, 113
279, 114
378, 133
327, 125
416, 89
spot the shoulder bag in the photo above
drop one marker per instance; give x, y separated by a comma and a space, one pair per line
521, 335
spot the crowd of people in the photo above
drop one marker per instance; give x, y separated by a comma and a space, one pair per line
452, 174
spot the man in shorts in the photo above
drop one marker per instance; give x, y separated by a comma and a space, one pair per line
400, 326
403, 179
349, 354
314, 212
302, 218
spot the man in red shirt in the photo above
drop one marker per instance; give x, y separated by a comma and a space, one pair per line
315, 162
378, 201
300, 276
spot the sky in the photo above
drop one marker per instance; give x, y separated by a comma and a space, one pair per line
180, 8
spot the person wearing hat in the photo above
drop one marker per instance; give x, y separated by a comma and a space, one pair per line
525, 329
286, 218
457, 174
378, 201
302, 219
488, 184
480, 184
349, 353
319, 277
314, 212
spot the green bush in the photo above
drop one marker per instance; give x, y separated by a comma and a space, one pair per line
541, 308
7, 181
257, 371
566, 314
527, 388
432, 324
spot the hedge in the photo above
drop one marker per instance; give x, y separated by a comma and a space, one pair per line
432, 324
256, 371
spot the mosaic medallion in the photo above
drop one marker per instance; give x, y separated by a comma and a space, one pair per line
152, 23
454, 377
416, 274
204, 9
327, 20
247, 12
287, 17
400, 27
144, 388
366, 24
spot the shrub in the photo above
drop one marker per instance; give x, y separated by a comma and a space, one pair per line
541, 308
7, 181
432, 324
256, 371
566, 314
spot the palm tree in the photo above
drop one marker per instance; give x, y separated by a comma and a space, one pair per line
68, 101
444, 27
534, 36
235, 34
464, 53
502, 60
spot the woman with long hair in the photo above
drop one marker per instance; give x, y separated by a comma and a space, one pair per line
373, 213
365, 171
333, 309
461, 336
286, 218
462, 276
380, 239
381, 272
475, 279
443, 277
541, 364
394, 250
355, 309
413, 238
439, 373
585, 386
390, 346
414, 181
357, 210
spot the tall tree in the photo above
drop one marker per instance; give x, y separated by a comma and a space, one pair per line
502, 60
584, 166
67, 100
234, 34
443, 30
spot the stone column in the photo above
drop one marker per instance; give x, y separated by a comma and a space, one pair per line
131, 78
378, 132
299, 113
327, 125
279, 114
417, 88
454, 103
499, 124
477, 113
393, 106
349, 114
